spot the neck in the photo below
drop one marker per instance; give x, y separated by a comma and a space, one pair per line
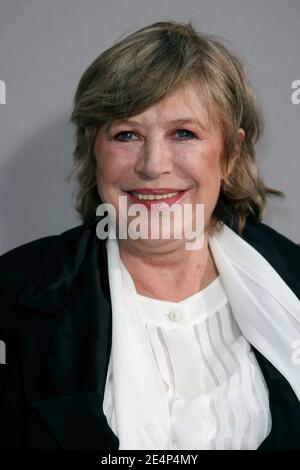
159, 272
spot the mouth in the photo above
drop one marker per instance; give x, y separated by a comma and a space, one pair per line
154, 197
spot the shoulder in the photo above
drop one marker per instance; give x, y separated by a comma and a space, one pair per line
17, 264
281, 252
267, 238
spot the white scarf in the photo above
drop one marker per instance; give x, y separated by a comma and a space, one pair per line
265, 308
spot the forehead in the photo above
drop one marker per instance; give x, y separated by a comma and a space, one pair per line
188, 98
184, 105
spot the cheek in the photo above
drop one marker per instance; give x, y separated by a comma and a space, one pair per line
212, 174
112, 174
206, 174
205, 169
110, 166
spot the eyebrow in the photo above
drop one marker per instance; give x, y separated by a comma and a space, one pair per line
187, 120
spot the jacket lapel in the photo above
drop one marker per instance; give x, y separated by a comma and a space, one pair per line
284, 407
65, 342
284, 256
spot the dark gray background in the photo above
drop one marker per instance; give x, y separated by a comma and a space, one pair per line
46, 45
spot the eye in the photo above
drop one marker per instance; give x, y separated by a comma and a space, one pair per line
121, 136
186, 134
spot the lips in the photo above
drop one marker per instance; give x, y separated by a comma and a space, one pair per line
154, 190
155, 196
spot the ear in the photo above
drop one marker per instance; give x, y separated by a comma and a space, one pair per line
240, 136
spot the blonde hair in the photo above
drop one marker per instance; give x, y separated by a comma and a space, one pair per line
144, 67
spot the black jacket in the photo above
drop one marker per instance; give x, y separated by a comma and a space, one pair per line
56, 323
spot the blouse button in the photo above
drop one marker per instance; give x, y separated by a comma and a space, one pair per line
174, 316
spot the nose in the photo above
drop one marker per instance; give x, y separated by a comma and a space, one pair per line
155, 159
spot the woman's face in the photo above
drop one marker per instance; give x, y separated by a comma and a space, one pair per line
169, 148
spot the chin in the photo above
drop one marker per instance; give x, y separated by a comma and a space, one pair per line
159, 245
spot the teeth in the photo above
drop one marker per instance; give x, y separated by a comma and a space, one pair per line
152, 197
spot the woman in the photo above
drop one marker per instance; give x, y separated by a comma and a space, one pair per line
138, 342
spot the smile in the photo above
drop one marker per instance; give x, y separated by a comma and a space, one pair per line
150, 197
153, 196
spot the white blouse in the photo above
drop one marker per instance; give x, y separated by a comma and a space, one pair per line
216, 392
